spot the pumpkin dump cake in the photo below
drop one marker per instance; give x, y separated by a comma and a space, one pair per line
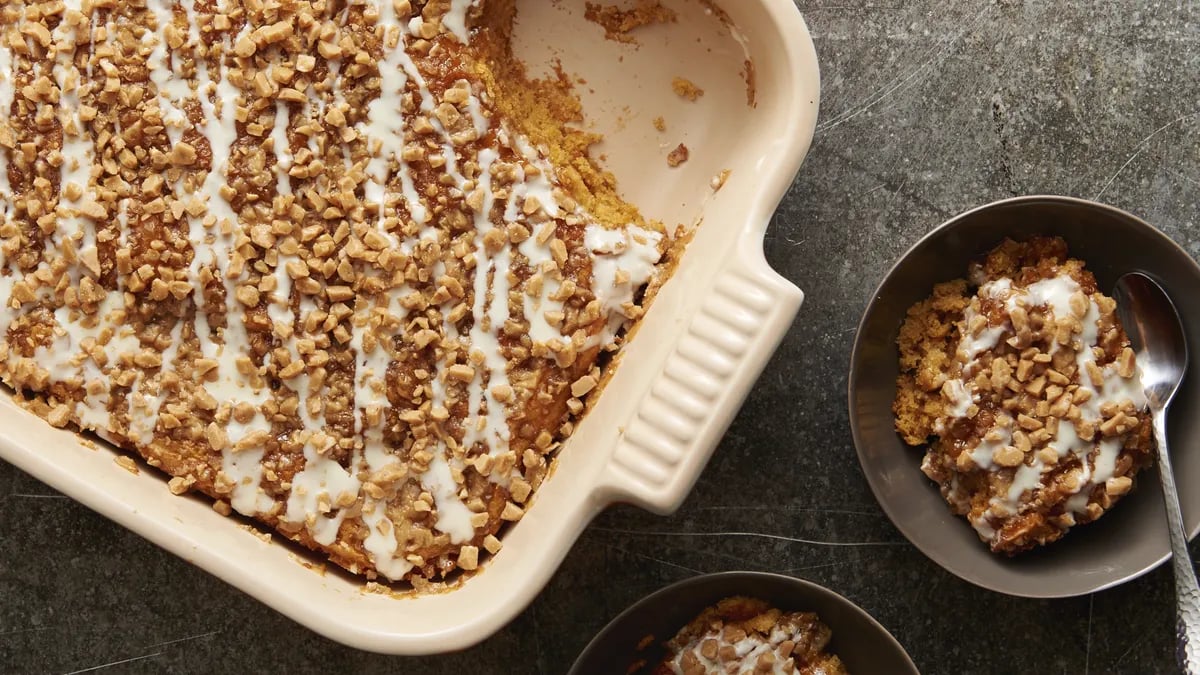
1023, 384
747, 636
338, 265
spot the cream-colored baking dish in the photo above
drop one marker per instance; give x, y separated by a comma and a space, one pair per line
699, 349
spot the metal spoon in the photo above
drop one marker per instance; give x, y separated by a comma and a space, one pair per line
1153, 325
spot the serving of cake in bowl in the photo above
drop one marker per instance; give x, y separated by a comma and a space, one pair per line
990, 373
743, 623
1024, 385
746, 635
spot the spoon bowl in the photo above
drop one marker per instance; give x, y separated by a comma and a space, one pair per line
1152, 323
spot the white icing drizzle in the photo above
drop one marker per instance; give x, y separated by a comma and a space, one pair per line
242, 467
453, 516
478, 119
245, 469
456, 18
385, 124
623, 260
1054, 292
283, 153
385, 116
147, 399
956, 393
65, 358
77, 150
537, 255
484, 327
147, 395
369, 394
997, 438
385, 129
152, 402
93, 410
279, 309
988, 338
322, 489
381, 541
7, 92
323, 485
172, 87
538, 186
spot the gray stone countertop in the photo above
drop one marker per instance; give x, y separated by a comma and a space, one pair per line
930, 107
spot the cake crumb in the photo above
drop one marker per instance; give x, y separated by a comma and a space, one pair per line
750, 75
685, 88
321, 568
660, 124
678, 156
180, 485
265, 537
127, 463
618, 24
718, 181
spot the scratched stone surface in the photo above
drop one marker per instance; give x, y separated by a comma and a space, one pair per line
929, 107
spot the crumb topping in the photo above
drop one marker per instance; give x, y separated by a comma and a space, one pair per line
291, 254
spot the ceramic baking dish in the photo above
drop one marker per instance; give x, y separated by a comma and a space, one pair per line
700, 347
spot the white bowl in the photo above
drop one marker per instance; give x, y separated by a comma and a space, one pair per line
699, 349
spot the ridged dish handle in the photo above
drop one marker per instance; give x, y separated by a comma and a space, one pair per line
693, 398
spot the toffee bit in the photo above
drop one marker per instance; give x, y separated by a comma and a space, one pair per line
678, 156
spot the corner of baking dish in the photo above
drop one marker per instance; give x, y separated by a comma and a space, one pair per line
700, 347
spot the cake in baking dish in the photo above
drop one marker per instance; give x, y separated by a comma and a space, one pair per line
1022, 383
338, 265
746, 636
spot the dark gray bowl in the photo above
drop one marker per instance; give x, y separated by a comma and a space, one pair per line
1125, 543
863, 645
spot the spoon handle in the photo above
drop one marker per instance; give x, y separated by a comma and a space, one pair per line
1187, 592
